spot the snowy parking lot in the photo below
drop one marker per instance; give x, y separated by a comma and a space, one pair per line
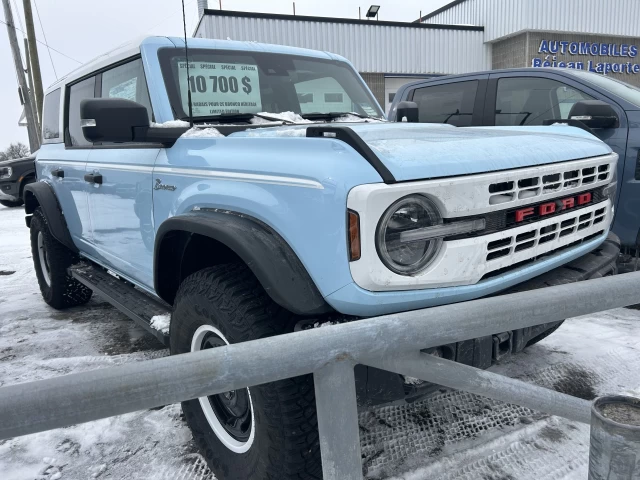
450, 435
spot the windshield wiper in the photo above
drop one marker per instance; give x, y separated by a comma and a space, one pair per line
331, 115
231, 117
457, 112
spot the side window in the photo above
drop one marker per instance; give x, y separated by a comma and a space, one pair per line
78, 92
51, 116
567, 97
127, 81
532, 100
450, 103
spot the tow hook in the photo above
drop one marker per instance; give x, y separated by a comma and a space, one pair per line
502, 345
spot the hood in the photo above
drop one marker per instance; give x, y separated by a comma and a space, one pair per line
17, 161
421, 151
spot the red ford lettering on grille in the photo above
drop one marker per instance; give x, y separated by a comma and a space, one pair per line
553, 207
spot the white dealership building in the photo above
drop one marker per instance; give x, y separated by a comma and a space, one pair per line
463, 36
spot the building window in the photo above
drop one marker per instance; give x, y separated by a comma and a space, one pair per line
333, 98
51, 116
391, 97
532, 100
305, 98
450, 103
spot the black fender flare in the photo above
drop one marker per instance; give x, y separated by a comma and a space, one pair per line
262, 249
40, 194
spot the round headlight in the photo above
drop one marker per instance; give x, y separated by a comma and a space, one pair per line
408, 213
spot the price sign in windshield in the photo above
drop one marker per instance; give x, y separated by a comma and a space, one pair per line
220, 88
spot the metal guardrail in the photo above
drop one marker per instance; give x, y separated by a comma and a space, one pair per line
391, 342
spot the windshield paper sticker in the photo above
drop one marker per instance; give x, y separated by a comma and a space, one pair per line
220, 88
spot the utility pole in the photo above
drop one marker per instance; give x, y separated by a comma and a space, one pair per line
34, 68
30, 79
34, 137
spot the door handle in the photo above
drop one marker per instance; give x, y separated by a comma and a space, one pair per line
95, 178
58, 172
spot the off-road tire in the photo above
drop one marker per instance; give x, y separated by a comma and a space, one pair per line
62, 291
12, 203
544, 334
286, 446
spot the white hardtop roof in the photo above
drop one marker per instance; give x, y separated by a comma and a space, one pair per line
132, 48
120, 52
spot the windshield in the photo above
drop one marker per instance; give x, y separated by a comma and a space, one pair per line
227, 82
628, 92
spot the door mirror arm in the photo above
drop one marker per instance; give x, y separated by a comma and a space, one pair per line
164, 136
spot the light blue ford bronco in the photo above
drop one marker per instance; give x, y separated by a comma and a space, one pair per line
238, 190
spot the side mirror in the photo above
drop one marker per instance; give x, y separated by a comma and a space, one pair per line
594, 114
408, 110
112, 119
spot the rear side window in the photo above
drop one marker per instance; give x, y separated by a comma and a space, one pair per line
51, 117
532, 100
127, 81
78, 92
450, 103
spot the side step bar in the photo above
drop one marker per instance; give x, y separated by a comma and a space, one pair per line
135, 304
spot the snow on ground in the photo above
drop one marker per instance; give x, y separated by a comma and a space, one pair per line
451, 435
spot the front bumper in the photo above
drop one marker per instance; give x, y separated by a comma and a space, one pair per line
374, 386
9, 190
353, 300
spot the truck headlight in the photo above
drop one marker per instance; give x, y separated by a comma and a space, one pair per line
6, 172
408, 256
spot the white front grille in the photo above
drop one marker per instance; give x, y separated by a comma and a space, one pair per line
559, 182
467, 261
569, 226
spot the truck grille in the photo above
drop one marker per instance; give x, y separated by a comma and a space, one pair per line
557, 183
556, 234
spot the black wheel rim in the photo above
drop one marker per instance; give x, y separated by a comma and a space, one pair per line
232, 408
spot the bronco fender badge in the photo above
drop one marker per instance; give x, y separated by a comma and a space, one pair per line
161, 186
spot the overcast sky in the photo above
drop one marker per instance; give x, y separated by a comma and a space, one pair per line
82, 30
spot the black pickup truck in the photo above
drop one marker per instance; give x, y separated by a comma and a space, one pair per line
14, 175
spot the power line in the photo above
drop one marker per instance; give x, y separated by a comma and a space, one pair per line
45, 39
57, 51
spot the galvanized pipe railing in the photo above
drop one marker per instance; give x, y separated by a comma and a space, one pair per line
330, 354
470, 379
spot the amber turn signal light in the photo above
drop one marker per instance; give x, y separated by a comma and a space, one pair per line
353, 224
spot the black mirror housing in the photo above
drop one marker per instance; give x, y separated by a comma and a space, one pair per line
594, 114
408, 110
112, 119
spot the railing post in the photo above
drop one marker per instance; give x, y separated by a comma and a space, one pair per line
338, 421
615, 439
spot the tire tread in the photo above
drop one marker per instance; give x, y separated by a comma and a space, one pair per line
65, 291
234, 290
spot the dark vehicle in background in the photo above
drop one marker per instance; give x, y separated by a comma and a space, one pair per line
610, 109
14, 176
